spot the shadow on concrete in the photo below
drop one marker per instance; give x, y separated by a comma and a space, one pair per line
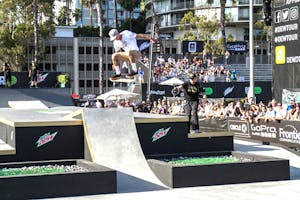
128, 184
294, 173
254, 147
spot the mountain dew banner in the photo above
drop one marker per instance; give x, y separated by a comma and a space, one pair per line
229, 90
45, 80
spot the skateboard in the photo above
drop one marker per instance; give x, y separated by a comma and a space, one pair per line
122, 80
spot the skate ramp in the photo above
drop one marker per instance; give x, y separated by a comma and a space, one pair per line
51, 97
112, 141
27, 105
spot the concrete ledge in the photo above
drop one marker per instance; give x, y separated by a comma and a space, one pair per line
258, 169
6, 149
210, 134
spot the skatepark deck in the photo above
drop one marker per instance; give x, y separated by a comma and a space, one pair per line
51, 97
38, 117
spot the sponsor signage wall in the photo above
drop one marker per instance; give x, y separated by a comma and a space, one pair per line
286, 44
286, 132
21, 80
286, 32
216, 90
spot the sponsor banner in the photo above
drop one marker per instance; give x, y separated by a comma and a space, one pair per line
192, 46
236, 47
287, 95
239, 127
45, 80
143, 45
230, 90
286, 132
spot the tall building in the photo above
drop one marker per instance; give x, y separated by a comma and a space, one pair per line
170, 12
90, 18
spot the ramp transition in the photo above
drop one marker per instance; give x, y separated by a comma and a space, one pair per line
113, 142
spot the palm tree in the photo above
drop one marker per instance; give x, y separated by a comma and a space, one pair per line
222, 20
89, 4
36, 32
115, 14
99, 14
129, 6
67, 11
77, 14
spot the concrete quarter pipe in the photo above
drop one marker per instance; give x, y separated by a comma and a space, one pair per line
113, 142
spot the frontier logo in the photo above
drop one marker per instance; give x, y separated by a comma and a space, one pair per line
160, 133
46, 138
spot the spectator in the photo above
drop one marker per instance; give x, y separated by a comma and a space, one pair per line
7, 74
270, 114
281, 113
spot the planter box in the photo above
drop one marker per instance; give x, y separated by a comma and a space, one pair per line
258, 169
98, 180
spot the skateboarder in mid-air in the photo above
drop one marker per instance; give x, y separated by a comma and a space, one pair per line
126, 41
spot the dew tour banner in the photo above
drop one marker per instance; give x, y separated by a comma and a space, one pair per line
230, 90
286, 32
45, 80
284, 132
286, 42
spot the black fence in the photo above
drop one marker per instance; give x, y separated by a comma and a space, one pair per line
231, 90
45, 80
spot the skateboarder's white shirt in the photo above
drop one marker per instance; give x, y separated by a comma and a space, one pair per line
118, 45
129, 41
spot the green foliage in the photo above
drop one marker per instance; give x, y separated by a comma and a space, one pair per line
199, 28
63, 16
139, 24
16, 29
89, 31
77, 14
129, 5
86, 31
230, 38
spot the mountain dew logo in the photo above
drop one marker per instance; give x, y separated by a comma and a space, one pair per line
46, 138
160, 133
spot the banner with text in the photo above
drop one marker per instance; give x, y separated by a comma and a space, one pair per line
284, 132
45, 80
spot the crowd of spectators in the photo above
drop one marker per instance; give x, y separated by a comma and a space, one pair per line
244, 109
204, 67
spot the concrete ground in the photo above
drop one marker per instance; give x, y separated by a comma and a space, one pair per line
135, 189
